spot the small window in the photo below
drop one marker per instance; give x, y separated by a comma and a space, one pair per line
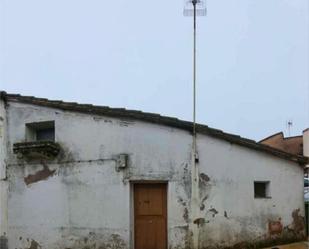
261, 189
40, 131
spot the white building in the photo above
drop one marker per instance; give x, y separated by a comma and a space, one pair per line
115, 178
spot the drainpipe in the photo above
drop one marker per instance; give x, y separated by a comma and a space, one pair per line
3, 177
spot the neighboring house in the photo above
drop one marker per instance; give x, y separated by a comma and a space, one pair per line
298, 145
90, 177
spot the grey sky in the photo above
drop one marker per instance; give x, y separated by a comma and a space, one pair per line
253, 58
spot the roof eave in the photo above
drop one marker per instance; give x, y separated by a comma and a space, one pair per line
153, 118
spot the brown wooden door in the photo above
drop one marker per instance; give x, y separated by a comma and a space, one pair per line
150, 212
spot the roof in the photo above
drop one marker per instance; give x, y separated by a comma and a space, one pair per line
153, 118
293, 145
281, 135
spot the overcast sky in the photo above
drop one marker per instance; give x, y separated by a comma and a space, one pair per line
253, 58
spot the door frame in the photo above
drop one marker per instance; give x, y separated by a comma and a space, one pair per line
132, 214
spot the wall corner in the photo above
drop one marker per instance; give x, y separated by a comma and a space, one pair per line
3, 177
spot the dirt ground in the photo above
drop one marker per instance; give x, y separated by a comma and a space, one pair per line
300, 245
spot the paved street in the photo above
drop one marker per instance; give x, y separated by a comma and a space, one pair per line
300, 245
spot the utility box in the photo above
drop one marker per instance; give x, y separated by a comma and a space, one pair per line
121, 162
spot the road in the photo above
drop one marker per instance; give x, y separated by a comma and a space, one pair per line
300, 245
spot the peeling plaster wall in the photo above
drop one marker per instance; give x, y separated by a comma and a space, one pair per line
232, 214
72, 203
3, 178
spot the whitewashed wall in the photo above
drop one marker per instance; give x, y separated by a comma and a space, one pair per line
88, 204
3, 177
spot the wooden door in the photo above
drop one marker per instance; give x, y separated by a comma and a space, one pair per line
150, 216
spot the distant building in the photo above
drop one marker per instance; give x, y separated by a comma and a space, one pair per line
77, 176
298, 145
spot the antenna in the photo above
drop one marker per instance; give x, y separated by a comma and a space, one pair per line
200, 8
194, 8
289, 124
